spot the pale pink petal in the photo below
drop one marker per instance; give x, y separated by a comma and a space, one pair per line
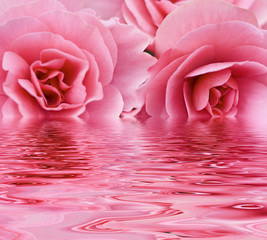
195, 14
94, 89
105, 33
10, 109
167, 6
128, 16
143, 19
246, 68
252, 97
18, 69
6, 4
259, 8
156, 89
202, 86
214, 96
133, 63
228, 101
34, 43
3, 99
56, 110
222, 36
247, 4
175, 104
192, 113
12, 30
84, 36
233, 84
50, 95
155, 12
248, 53
104, 8
110, 107
31, 8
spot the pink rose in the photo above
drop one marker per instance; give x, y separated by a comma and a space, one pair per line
211, 65
60, 63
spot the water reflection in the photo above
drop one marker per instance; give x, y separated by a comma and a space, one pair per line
71, 179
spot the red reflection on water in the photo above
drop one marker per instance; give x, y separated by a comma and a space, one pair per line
70, 179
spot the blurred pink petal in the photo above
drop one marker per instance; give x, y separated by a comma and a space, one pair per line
109, 107
104, 8
172, 28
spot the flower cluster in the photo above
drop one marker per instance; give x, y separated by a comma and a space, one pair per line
158, 58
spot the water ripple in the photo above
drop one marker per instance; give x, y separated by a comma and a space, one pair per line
152, 180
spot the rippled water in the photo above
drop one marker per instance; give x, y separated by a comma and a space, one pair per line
132, 180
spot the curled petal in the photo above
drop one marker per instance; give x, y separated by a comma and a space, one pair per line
131, 69
27, 105
84, 36
200, 94
35, 43
176, 99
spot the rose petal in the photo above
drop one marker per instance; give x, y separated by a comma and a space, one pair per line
17, 68
142, 16
6, 4
105, 33
154, 7
110, 107
30, 8
176, 99
252, 97
9, 109
34, 43
72, 109
52, 95
132, 65
84, 36
74, 70
214, 96
156, 89
222, 36
248, 53
105, 8
238, 69
12, 30
94, 89
202, 86
191, 111
259, 8
228, 101
204, 12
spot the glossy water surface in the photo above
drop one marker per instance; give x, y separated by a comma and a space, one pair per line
132, 180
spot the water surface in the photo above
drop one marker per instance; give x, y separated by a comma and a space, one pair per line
132, 180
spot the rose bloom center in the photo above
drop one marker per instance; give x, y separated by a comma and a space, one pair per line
214, 93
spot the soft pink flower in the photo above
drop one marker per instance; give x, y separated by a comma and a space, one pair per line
61, 63
210, 65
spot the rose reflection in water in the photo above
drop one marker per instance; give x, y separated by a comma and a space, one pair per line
71, 179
